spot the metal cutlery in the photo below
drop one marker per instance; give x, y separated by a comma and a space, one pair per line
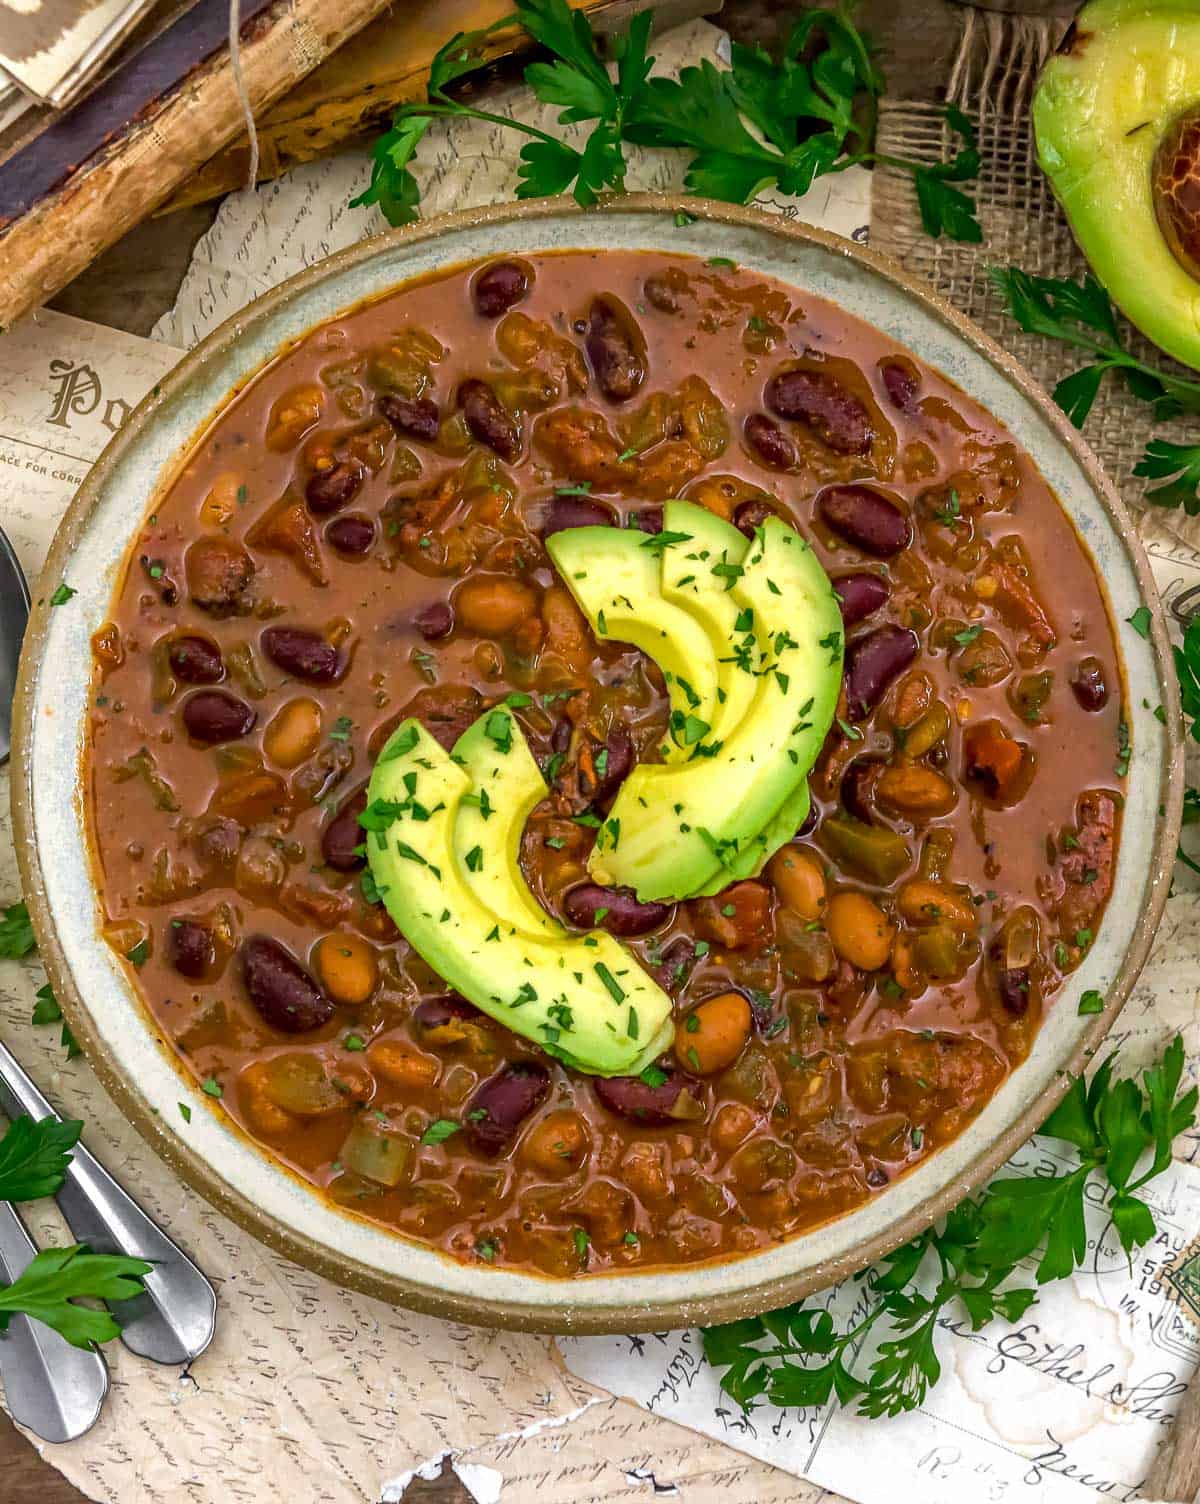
52, 1388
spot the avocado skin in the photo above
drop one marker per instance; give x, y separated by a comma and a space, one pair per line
1128, 70
557, 989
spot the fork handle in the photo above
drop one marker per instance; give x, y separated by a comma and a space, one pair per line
173, 1321
54, 1389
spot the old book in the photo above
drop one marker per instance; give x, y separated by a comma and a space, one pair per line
351, 98
81, 183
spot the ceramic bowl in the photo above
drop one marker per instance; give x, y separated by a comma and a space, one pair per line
52, 711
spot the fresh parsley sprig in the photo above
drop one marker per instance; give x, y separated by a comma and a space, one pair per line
1122, 1131
34, 1157
766, 120
16, 933
1081, 314
57, 1277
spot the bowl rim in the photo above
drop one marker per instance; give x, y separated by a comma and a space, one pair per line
751, 1297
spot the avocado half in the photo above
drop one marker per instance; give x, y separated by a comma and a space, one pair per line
1116, 116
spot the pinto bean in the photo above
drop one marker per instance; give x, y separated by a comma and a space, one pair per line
219, 572
191, 948
214, 715
576, 511
305, 654
864, 517
1089, 685
347, 966
351, 535
328, 490
614, 348
499, 1105
342, 837
820, 401
768, 443
860, 931
195, 660
617, 767
414, 417
751, 515
493, 606
489, 420
664, 289
279, 987
860, 595
498, 287
711, 1036
799, 880
673, 1099
615, 909
872, 662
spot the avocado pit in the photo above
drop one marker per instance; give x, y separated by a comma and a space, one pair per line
1176, 190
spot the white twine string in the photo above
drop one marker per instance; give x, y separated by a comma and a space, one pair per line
239, 83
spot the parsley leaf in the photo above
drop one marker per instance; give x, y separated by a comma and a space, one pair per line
16, 933
34, 1157
1178, 467
56, 1277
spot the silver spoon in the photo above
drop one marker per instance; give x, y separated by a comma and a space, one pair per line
59, 1389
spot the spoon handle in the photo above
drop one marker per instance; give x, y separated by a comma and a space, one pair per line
51, 1387
173, 1321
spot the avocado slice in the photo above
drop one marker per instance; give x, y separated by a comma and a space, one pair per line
506, 784
613, 574
583, 999
675, 829
1105, 107
696, 540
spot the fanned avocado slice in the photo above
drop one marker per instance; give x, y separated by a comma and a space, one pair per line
696, 545
613, 574
675, 829
778, 831
506, 784
1117, 120
584, 999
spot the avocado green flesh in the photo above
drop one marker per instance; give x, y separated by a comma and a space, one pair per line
687, 580
778, 831
675, 829
614, 577
506, 784
1100, 111
583, 999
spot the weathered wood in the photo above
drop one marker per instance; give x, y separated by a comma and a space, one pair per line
1175, 1476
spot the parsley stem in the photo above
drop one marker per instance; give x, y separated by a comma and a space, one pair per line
444, 106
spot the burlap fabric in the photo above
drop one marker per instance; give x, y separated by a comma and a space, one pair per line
992, 80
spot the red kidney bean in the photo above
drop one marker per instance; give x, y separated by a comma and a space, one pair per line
498, 287
190, 947
437, 1012
676, 963
630, 1097
576, 511
751, 515
1089, 685
499, 1105
768, 443
613, 349
648, 520
327, 490
560, 737
219, 572
351, 535
855, 790
872, 662
820, 400
616, 910
414, 417
195, 660
435, 621
866, 518
901, 383
279, 987
304, 654
214, 715
617, 766
860, 595
489, 420
343, 836
1013, 983
809, 823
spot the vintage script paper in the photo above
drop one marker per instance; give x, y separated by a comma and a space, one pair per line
260, 238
